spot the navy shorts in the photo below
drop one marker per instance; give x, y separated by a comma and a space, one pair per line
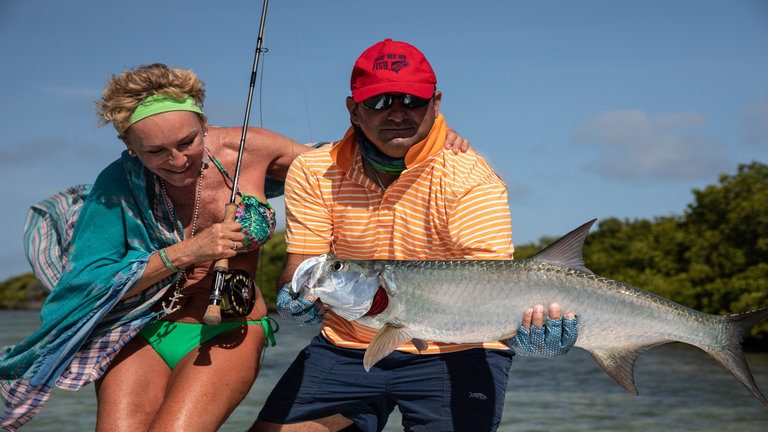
459, 391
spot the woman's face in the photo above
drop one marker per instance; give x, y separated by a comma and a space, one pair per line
170, 145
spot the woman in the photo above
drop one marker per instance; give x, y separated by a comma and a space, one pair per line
175, 373
127, 310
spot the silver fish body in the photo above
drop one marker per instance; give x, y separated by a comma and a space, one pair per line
481, 300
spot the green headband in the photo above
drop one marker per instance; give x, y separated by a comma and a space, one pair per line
158, 103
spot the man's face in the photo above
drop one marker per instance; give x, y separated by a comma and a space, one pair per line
395, 129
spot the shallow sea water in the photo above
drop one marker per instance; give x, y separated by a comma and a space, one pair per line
681, 389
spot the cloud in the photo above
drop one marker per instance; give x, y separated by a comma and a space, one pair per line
53, 152
755, 117
635, 146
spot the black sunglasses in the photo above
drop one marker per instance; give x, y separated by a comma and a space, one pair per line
384, 101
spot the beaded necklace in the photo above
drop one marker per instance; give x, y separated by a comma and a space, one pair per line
181, 280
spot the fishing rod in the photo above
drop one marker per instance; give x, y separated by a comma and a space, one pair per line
221, 266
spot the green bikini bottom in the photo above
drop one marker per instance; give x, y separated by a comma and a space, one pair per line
173, 340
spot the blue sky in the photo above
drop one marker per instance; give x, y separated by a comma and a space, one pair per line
585, 108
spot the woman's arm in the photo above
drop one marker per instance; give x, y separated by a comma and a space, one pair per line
281, 150
278, 149
215, 242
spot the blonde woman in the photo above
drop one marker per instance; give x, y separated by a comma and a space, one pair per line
126, 310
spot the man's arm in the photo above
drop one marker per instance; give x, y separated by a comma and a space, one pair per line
479, 221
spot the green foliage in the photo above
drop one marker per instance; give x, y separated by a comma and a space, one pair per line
271, 262
714, 258
527, 250
22, 292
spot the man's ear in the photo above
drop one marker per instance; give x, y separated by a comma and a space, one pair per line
352, 108
438, 98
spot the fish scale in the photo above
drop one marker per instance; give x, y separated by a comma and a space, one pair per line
470, 301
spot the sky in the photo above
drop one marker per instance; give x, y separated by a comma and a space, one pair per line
586, 109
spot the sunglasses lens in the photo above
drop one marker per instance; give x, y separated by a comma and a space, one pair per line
411, 101
380, 102
384, 101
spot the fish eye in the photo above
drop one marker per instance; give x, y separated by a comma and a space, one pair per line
336, 266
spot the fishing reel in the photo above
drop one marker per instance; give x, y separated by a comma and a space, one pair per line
239, 294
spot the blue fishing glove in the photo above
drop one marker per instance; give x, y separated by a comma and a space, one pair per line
556, 338
296, 309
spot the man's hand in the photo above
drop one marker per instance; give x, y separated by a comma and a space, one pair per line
297, 310
537, 337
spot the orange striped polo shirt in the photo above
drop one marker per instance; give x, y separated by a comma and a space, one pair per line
442, 207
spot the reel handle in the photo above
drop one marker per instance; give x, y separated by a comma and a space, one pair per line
220, 267
212, 315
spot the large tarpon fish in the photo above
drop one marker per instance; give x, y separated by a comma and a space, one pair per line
484, 300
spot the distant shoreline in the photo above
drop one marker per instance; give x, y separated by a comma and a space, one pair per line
22, 292
32, 307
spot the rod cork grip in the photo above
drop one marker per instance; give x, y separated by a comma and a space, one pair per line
212, 315
229, 215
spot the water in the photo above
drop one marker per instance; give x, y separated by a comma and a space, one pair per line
681, 389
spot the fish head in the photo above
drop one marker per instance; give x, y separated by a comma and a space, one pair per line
348, 287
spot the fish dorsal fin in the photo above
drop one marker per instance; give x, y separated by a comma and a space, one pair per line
566, 251
387, 339
619, 363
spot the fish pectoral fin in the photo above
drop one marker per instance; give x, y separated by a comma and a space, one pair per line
508, 339
387, 339
508, 336
420, 344
619, 363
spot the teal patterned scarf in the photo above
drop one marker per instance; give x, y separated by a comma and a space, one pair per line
122, 222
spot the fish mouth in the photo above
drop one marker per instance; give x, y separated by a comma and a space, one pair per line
307, 273
347, 291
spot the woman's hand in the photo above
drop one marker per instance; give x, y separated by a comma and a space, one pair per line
220, 240
455, 142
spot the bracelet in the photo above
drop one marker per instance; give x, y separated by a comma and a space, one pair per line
167, 261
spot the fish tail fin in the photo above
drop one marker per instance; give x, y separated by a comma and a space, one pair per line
729, 352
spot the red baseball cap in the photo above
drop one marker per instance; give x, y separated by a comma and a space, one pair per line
392, 67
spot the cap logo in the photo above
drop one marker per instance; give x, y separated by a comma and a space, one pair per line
393, 62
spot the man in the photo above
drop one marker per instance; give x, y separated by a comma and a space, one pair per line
388, 190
